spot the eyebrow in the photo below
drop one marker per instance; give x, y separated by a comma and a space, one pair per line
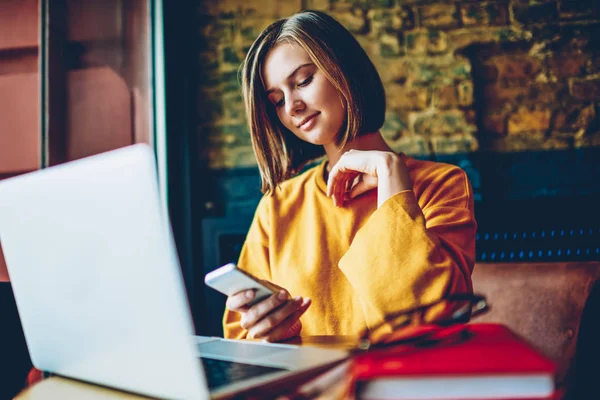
269, 91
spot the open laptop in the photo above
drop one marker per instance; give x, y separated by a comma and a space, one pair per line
99, 289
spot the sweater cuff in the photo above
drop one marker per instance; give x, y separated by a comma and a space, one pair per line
401, 201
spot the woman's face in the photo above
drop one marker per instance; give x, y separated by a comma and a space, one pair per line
305, 100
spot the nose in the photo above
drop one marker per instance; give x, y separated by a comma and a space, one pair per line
294, 105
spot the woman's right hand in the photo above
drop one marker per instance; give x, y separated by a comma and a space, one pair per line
273, 319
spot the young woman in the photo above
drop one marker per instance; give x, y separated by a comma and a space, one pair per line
365, 233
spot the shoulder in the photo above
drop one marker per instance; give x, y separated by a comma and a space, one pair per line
433, 170
435, 182
289, 191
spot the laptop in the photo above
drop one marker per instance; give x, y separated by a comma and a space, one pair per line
98, 286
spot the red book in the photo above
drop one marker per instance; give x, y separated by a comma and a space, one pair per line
488, 362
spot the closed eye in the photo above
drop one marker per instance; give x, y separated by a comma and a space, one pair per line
279, 103
306, 81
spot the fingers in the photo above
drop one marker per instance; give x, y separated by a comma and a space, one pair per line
342, 178
260, 310
259, 328
365, 184
238, 301
340, 182
291, 326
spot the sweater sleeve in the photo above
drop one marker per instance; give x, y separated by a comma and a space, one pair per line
407, 255
254, 258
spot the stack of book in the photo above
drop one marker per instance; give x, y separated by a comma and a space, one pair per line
486, 362
491, 362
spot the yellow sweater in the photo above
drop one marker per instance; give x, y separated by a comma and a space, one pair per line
359, 263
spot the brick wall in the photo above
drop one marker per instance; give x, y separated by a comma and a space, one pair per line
460, 76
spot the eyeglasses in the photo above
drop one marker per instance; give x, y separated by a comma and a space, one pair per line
439, 323
426, 325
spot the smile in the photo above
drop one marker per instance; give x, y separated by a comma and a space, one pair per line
308, 122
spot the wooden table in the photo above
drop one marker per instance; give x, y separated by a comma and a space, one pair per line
58, 388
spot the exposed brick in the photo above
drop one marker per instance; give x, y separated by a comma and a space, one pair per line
517, 142
386, 20
440, 71
459, 70
390, 45
384, 3
417, 42
211, 106
395, 125
423, 74
445, 97
529, 120
462, 38
441, 122
572, 9
233, 110
226, 135
439, 16
217, 31
354, 20
407, 98
561, 140
587, 90
397, 70
546, 96
564, 65
373, 50
568, 37
455, 143
495, 123
574, 117
407, 15
438, 42
411, 144
526, 13
486, 71
249, 29
321, 5
233, 8
208, 60
588, 140
231, 58
556, 143
498, 96
229, 157
464, 91
593, 65
484, 14
547, 93
452, 96
515, 67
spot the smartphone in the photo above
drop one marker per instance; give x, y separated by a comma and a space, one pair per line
229, 280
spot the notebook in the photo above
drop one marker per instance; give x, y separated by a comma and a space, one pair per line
486, 361
99, 290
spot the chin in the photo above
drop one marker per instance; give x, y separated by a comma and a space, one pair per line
319, 139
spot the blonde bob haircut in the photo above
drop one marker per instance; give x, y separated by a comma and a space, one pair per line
279, 153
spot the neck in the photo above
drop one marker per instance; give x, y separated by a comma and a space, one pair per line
369, 141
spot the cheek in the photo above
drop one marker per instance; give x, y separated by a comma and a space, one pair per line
332, 101
337, 111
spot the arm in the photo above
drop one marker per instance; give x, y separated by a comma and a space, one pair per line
405, 255
275, 318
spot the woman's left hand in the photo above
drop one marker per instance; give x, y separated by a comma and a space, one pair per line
359, 171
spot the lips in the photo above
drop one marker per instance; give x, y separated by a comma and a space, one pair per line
307, 119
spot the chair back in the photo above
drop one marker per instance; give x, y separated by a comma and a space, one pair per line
542, 302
